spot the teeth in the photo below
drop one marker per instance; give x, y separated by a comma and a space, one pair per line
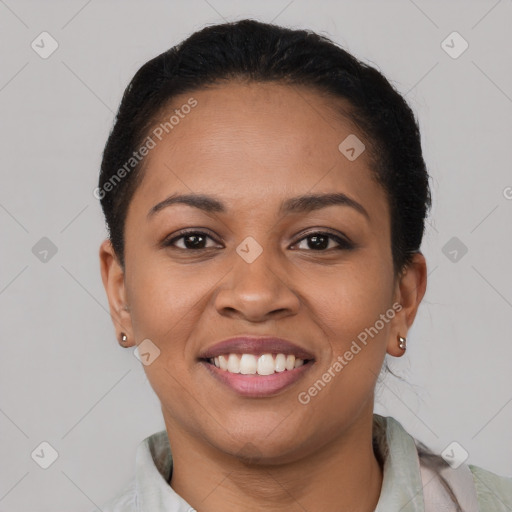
223, 362
266, 365
280, 363
233, 364
249, 364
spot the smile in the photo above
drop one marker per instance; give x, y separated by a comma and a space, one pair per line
254, 376
250, 364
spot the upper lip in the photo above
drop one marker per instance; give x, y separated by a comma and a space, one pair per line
246, 344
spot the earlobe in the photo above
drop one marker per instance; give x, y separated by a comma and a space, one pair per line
410, 290
112, 276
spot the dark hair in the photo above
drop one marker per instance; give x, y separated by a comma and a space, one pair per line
260, 52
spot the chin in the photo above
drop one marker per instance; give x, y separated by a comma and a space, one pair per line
252, 447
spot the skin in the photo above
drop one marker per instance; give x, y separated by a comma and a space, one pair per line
253, 146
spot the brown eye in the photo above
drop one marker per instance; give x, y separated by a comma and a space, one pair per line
319, 241
192, 240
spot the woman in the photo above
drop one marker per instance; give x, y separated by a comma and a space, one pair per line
265, 195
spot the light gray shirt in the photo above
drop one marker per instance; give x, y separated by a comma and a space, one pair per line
408, 484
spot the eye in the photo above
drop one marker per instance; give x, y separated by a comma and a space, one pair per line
192, 240
319, 241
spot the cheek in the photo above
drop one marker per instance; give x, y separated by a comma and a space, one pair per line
349, 303
349, 313
167, 307
355, 316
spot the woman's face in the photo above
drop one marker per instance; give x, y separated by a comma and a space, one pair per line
257, 269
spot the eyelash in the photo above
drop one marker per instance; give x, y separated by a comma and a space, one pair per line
343, 244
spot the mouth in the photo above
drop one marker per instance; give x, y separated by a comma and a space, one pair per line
251, 364
272, 381
256, 366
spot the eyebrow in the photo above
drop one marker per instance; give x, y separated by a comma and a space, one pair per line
305, 203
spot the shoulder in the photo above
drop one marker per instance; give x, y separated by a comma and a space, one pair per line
124, 501
494, 491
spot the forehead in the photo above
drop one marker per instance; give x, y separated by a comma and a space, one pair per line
256, 142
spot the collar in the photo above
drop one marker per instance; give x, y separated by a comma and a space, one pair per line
402, 487
401, 484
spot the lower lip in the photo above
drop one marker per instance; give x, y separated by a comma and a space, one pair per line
258, 385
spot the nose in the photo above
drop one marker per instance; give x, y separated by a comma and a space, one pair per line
256, 291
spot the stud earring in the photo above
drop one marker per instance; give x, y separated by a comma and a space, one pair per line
401, 342
124, 338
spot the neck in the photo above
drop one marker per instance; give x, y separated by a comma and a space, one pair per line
341, 475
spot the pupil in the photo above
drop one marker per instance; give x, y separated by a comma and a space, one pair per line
194, 245
324, 242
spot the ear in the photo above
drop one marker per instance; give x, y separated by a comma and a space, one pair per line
112, 275
409, 291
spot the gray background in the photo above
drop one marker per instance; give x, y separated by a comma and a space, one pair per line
65, 380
